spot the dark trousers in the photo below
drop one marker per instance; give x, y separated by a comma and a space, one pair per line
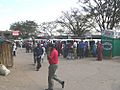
14, 53
34, 58
81, 53
38, 63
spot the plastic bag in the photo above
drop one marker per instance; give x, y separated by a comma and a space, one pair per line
3, 70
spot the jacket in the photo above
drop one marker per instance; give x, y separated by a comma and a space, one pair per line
38, 51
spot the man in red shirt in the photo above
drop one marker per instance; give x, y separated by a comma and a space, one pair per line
53, 61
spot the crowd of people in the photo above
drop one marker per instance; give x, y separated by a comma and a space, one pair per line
69, 50
78, 50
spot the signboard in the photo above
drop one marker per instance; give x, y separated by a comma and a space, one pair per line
111, 33
108, 33
107, 46
15, 33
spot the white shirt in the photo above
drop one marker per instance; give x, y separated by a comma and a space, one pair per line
75, 44
14, 48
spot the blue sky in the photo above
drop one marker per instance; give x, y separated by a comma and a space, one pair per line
38, 10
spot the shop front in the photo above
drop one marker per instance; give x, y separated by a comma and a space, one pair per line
111, 43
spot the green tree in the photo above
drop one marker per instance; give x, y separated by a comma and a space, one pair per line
27, 28
106, 13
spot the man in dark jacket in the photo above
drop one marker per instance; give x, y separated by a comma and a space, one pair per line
38, 51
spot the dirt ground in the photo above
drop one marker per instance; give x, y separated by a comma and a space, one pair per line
84, 74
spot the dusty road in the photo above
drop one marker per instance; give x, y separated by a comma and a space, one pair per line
86, 74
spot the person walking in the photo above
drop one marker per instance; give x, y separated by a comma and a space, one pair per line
38, 51
44, 51
53, 65
14, 49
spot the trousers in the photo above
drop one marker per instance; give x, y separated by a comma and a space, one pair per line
38, 63
52, 76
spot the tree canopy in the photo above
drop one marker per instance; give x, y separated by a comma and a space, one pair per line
48, 27
26, 28
76, 22
106, 13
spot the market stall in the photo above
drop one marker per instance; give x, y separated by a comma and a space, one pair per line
6, 57
111, 43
